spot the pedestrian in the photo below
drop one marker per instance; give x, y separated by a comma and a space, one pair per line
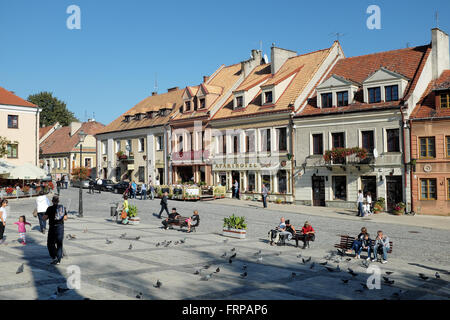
3, 216
307, 234
357, 243
265, 192
382, 243
99, 185
22, 229
144, 191
236, 189
56, 215
360, 204
66, 181
42, 203
133, 189
152, 192
58, 186
125, 209
91, 186
163, 203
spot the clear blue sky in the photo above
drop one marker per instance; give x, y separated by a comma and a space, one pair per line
109, 65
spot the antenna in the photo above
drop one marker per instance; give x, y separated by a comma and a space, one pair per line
156, 82
436, 17
337, 35
407, 44
260, 45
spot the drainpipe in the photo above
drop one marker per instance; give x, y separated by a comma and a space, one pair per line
404, 154
410, 168
291, 151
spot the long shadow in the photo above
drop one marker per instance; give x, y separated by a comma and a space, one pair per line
429, 268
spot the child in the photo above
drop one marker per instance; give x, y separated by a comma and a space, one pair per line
3, 215
22, 229
367, 244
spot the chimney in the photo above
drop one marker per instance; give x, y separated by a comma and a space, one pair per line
74, 127
205, 79
248, 65
439, 52
154, 93
172, 89
279, 57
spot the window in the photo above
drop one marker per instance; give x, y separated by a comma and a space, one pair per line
180, 143
391, 93
428, 189
265, 140
282, 139
427, 147
342, 98
127, 118
447, 141
374, 95
13, 122
59, 163
104, 149
266, 181
137, 116
223, 142
327, 100
235, 144
282, 181
338, 139
88, 162
448, 188
445, 100
159, 143
187, 105
141, 144
317, 143
141, 174
129, 146
239, 102
339, 187
268, 97
251, 182
250, 141
64, 163
191, 140
393, 141
202, 139
367, 140
117, 145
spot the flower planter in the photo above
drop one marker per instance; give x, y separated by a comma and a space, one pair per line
397, 212
134, 220
235, 233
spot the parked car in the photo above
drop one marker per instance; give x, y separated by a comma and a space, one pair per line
83, 183
107, 185
120, 187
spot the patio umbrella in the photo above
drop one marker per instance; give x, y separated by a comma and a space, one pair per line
5, 167
27, 171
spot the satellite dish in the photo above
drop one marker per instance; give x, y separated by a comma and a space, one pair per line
266, 59
375, 153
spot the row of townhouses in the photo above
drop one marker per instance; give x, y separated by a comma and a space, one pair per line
314, 128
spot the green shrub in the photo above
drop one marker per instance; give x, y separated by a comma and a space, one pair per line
234, 222
132, 211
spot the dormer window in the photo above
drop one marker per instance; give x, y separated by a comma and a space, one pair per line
391, 93
374, 94
268, 97
445, 99
149, 115
127, 118
342, 99
327, 100
137, 116
187, 105
202, 103
239, 102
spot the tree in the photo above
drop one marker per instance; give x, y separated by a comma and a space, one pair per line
3, 146
53, 109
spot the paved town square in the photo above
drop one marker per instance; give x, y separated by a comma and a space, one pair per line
115, 265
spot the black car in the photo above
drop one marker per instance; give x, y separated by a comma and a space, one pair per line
120, 187
107, 185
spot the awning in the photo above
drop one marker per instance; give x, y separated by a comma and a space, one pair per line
5, 167
27, 171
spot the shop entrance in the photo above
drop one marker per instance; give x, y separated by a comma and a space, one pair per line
185, 174
318, 186
394, 191
369, 184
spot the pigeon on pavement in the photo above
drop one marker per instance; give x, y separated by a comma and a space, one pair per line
345, 281
130, 247
233, 256
224, 255
243, 275
206, 277
158, 284
389, 272
20, 269
108, 241
230, 261
312, 265
218, 270
259, 259
437, 275
422, 276
60, 290
323, 263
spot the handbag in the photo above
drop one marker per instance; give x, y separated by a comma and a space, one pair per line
35, 213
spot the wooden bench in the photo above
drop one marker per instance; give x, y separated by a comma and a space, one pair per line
346, 243
181, 222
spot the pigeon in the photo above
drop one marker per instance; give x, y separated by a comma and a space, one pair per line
60, 290
437, 275
20, 269
108, 241
330, 269
258, 253
130, 247
167, 244
123, 235
230, 261
217, 270
243, 275
158, 284
340, 252
389, 272
176, 242
323, 263
206, 277
352, 272
138, 237
259, 259
234, 249
387, 281
183, 241
71, 236
348, 259
345, 281
364, 285
197, 272
139, 296
244, 267
312, 265
293, 274
365, 264
303, 260
299, 256
233, 256
308, 260
158, 244
279, 253
422, 276
206, 266
224, 255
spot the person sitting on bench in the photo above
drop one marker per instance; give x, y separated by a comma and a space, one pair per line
193, 221
356, 246
288, 233
366, 244
274, 234
173, 216
382, 244
307, 234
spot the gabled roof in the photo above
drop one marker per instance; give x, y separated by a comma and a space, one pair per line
408, 62
9, 98
168, 100
335, 80
302, 68
426, 108
60, 140
43, 131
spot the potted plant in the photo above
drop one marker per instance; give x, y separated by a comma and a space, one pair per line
9, 190
379, 205
399, 209
234, 227
278, 201
132, 215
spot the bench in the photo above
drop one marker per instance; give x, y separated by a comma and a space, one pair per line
296, 236
346, 243
181, 222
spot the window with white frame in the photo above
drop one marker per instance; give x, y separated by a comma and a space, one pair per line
239, 102
159, 142
265, 140
64, 163
104, 147
250, 141
141, 144
117, 145
268, 96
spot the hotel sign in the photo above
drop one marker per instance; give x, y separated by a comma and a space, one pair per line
252, 166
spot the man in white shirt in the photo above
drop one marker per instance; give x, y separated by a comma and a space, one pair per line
42, 203
360, 204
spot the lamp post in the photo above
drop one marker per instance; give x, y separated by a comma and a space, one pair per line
81, 137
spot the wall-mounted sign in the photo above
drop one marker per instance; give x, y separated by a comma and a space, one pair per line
427, 168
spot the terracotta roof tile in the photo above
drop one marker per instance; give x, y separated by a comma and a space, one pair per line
9, 98
43, 131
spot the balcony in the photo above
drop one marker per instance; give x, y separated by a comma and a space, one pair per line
342, 158
125, 158
190, 156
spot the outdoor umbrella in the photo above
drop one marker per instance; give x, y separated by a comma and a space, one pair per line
5, 167
27, 171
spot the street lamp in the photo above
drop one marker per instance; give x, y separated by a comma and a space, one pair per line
81, 137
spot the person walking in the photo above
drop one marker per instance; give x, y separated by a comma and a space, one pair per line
22, 229
152, 191
133, 189
3, 216
265, 192
56, 214
163, 203
236, 189
42, 203
66, 181
58, 186
360, 204
144, 191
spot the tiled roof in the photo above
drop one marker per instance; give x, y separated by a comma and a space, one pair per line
222, 81
9, 98
171, 100
43, 131
426, 108
301, 67
408, 62
60, 140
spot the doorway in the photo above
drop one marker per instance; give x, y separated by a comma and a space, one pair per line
318, 187
394, 191
369, 184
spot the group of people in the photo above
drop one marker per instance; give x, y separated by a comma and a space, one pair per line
62, 183
363, 241
175, 217
286, 231
364, 205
